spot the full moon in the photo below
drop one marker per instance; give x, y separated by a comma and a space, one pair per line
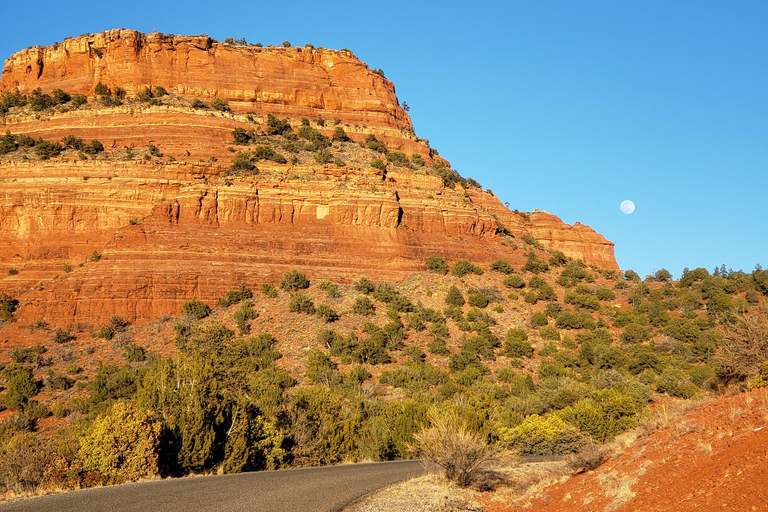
627, 206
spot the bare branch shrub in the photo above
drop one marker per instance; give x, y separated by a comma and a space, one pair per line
744, 347
450, 444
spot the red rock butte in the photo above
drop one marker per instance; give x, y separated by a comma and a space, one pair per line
177, 228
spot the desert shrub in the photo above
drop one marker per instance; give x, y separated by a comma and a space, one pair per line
330, 289
634, 333
364, 285
340, 135
604, 415
700, 373
501, 266
514, 281
198, 104
744, 347
133, 353
220, 105
574, 320
549, 332
268, 290
674, 382
39, 101
378, 163
605, 294
535, 264
62, 336
45, 150
454, 297
294, 280
242, 164
300, 303
438, 347
327, 313
32, 354
477, 299
761, 379
20, 386
363, 306
631, 275
452, 445
558, 259
543, 435
464, 267
371, 142
235, 296
437, 265
242, 315
323, 157
241, 136
582, 299
121, 446
398, 159
539, 319
417, 160
516, 347
277, 126
196, 309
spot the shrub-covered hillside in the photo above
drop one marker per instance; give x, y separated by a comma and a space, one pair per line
539, 359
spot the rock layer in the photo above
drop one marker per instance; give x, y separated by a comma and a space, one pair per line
167, 232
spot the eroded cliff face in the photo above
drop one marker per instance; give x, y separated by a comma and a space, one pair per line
171, 229
294, 82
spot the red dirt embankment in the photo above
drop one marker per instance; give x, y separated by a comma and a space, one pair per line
712, 458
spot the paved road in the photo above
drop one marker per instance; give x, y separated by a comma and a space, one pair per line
302, 490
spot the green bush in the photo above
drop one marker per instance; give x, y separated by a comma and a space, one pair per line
371, 142
340, 135
535, 264
220, 104
549, 333
45, 150
20, 386
327, 313
294, 280
268, 290
514, 281
674, 382
196, 309
635, 333
437, 265
121, 446
363, 306
134, 353
300, 303
516, 347
464, 267
235, 296
62, 336
454, 297
378, 163
502, 266
547, 435
477, 299
539, 319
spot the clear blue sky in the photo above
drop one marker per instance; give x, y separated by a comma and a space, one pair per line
566, 106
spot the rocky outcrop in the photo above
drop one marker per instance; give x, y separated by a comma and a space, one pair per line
164, 231
293, 82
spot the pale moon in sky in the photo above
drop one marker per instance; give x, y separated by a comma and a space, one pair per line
627, 206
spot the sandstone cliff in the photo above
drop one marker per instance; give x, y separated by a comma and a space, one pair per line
175, 228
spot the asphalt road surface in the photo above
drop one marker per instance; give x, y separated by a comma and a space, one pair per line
296, 490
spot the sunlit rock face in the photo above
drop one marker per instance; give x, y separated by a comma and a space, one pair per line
173, 229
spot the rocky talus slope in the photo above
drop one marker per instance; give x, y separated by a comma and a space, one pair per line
175, 227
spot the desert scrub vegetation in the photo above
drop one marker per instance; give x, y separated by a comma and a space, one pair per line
451, 444
365, 382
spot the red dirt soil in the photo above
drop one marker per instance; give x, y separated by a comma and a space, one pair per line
712, 458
